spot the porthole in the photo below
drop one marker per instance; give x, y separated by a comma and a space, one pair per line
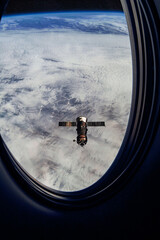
57, 67
136, 137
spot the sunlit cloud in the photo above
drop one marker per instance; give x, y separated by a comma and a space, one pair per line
49, 75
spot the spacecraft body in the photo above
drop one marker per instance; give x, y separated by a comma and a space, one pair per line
81, 130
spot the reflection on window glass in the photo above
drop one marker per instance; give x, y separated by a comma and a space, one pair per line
54, 68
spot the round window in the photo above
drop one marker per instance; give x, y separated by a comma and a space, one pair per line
66, 88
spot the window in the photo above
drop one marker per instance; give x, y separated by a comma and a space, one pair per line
56, 67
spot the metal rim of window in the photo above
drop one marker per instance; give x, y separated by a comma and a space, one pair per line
144, 115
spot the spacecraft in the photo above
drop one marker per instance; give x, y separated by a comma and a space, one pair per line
81, 124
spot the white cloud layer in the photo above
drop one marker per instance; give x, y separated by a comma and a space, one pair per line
49, 76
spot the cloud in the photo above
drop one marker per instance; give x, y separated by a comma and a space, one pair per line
53, 76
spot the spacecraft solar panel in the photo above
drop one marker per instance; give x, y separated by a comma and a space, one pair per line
67, 124
89, 124
96, 124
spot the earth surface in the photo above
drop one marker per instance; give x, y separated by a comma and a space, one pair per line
55, 67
